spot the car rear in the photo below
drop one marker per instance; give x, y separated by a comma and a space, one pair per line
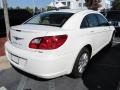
38, 47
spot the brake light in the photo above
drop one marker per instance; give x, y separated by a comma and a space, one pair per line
48, 42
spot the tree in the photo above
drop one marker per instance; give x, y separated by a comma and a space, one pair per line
36, 10
29, 9
17, 7
93, 4
116, 5
11, 8
49, 8
88, 3
43, 9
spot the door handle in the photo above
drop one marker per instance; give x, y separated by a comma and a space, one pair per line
91, 31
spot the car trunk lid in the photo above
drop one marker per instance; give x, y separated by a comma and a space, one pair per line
22, 35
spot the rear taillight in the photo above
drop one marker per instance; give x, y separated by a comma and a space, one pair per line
48, 42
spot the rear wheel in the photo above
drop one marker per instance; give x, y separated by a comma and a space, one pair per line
81, 63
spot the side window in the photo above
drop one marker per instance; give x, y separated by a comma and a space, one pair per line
84, 23
92, 20
102, 20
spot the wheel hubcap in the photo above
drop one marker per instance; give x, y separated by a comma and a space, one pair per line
83, 62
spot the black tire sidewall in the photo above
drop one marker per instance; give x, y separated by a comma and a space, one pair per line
111, 41
75, 72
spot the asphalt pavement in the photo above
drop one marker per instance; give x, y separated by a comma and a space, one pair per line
102, 73
12, 80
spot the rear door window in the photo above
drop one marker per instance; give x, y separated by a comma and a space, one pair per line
84, 23
92, 20
102, 20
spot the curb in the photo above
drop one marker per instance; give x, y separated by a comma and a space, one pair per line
3, 58
4, 63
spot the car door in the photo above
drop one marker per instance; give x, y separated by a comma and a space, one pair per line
98, 33
89, 26
105, 26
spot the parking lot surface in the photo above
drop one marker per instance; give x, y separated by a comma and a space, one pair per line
12, 80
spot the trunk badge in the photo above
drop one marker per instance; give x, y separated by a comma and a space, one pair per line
17, 38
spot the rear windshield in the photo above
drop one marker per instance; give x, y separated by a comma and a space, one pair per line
50, 19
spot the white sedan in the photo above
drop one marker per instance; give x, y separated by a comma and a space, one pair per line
57, 43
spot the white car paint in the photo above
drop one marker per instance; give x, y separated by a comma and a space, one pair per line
60, 61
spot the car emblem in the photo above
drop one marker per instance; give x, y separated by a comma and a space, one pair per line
17, 38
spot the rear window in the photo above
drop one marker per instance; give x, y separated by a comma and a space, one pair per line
50, 19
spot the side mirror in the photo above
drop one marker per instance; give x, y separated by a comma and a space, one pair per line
110, 23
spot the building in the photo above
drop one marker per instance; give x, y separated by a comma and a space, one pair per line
71, 4
106, 4
80, 4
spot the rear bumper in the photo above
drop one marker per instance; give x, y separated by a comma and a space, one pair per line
41, 64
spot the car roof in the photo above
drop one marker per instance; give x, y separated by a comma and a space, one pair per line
72, 10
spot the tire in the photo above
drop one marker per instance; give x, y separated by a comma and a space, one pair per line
111, 41
81, 63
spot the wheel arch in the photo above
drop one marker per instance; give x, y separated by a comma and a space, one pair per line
85, 46
89, 48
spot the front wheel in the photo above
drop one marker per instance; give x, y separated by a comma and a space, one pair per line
81, 63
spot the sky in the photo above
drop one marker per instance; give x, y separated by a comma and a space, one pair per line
25, 3
30, 3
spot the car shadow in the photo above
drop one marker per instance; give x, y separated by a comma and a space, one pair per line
103, 71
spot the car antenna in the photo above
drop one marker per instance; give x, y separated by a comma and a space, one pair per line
55, 6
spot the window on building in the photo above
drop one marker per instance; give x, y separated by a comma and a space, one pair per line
56, 2
80, 4
84, 4
68, 4
64, 3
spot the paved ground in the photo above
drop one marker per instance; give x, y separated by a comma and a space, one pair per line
4, 64
12, 80
102, 73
